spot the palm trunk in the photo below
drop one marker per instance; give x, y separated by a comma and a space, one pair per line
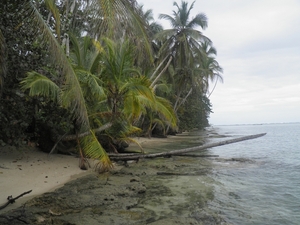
161, 73
152, 76
183, 101
178, 104
185, 150
74, 136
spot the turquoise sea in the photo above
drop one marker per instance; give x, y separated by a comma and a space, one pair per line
258, 181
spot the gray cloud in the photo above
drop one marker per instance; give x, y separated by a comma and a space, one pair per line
258, 43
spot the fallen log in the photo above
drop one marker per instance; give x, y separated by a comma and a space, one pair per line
186, 150
122, 155
197, 155
199, 173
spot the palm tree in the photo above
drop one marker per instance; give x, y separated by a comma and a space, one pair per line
182, 39
210, 69
2, 60
181, 44
147, 16
120, 20
127, 90
190, 65
85, 84
112, 89
106, 18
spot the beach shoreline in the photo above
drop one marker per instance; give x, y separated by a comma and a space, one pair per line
27, 168
152, 195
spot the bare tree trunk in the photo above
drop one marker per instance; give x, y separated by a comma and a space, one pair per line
152, 76
185, 150
161, 73
184, 100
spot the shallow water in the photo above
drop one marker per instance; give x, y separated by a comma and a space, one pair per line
265, 188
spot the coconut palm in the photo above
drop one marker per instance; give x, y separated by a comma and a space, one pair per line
105, 17
127, 90
112, 88
120, 20
210, 69
190, 65
147, 16
87, 85
183, 38
182, 42
2, 60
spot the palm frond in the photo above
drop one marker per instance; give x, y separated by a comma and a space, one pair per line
73, 96
50, 4
165, 109
93, 149
91, 85
139, 94
199, 20
40, 85
171, 20
118, 19
76, 50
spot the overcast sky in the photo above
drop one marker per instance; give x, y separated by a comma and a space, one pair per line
258, 44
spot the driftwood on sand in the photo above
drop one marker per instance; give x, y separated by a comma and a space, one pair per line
127, 157
11, 200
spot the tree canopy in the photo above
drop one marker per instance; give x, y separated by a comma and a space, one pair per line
93, 74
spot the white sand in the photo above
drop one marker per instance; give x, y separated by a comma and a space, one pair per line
30, 169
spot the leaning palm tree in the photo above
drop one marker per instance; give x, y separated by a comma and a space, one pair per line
2, 60
106, 18
184, 55
210, 70
85, 85
183, 38
182, 41
112, 89
180, 45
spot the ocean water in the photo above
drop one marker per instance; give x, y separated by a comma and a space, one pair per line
258, 181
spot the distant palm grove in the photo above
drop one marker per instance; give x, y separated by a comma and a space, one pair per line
90, 75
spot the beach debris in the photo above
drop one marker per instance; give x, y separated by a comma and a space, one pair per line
11, 200
54, 213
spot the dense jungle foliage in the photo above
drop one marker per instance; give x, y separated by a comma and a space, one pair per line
94, 74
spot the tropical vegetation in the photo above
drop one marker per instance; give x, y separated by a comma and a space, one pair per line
91, 75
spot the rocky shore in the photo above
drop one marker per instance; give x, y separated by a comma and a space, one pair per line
159, 191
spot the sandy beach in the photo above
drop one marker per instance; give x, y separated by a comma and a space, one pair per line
157, 191
27, 168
